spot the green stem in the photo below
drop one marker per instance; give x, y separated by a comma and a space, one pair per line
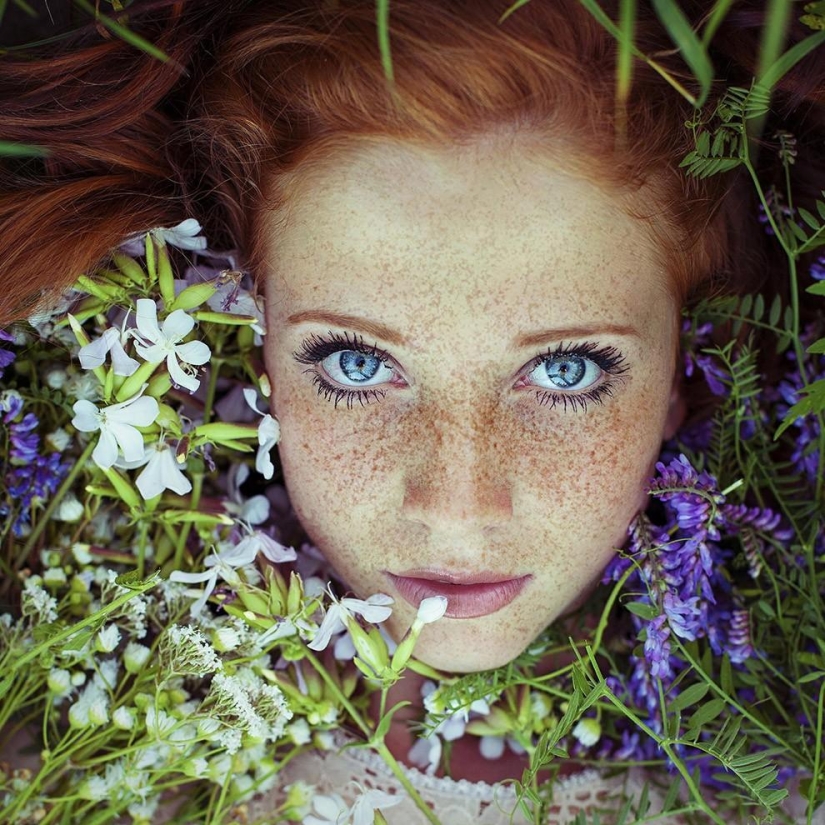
401, 775
818, 756
44, 519
197, 482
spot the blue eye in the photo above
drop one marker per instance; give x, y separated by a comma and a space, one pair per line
350, 367
565, 371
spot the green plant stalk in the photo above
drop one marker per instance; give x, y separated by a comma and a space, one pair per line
45, 517
197, 483
818, 755
380, 747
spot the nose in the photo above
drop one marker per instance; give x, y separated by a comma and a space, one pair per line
458, 482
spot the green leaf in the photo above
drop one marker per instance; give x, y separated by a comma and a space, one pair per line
817, 348
776, 311
642, 610
690, 46
690, 696
808, 218
758, 307
12, 148
382, 19
816, 289
123, 32
707, 713
777, 70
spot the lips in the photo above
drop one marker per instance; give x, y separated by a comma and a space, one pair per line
468, 596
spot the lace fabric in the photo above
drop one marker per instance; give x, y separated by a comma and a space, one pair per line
341, 770
455, 802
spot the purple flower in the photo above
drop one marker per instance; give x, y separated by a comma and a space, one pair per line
817, 269
7, 356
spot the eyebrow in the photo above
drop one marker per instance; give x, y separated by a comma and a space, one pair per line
385, 333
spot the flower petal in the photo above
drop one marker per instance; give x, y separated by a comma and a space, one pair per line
87, 416
93, 354
181, 378
146, 317
105, 451
177, 325
194, 352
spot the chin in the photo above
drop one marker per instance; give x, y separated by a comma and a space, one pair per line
464, 658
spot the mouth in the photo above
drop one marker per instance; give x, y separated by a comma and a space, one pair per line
468, 596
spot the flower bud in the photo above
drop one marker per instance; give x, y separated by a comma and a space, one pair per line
588, 732
123, 718
59, 681
225, 639
107, 639
135, 657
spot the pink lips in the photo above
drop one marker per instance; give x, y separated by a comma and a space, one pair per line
468, 596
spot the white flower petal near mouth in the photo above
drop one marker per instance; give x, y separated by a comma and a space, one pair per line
431, 609
163, 343
117, 424
374, 609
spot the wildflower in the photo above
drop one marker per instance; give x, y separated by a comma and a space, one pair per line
374, 609
188, 652
60, 681
225, 563
91, 708
117, 424
587, 731
107, 639
245, 703
363, 811
269, 433
7, 356
161, 472
38, 604
330, 809
184, 235
123, 718
135, 656
69, 509
156, 344
93, 354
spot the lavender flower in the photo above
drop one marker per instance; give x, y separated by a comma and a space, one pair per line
7, 356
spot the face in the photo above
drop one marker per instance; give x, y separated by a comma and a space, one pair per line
471, 355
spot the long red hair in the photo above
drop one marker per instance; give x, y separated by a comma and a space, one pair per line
256, 92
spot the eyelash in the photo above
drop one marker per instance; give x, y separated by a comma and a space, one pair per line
316, 348
608, 359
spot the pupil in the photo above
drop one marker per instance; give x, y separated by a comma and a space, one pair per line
358, 366
567, 371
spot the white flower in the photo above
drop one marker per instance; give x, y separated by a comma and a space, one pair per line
184, 236
117, 424
225, 563
59, 439
123, 718
269, 433
251, 511
426, 753
69, 509
93, 354
59, 681
156, 344
431, 609
363, 811
588, 732
332, 810
162, 472
234, 299
135, 656
107, 639
374, 609
91, 708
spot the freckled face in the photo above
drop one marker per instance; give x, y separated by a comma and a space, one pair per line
490, 397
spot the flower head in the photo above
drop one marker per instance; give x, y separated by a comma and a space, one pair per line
375, 608
117, 424
163, 343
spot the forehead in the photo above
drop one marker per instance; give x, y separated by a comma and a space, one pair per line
486, 226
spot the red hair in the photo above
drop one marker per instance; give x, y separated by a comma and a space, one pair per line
254, 95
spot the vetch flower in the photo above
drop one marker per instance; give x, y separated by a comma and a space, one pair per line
117, 424
374, 609
269, 433
93, 354
156, 344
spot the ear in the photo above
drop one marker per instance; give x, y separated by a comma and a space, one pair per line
677, 408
